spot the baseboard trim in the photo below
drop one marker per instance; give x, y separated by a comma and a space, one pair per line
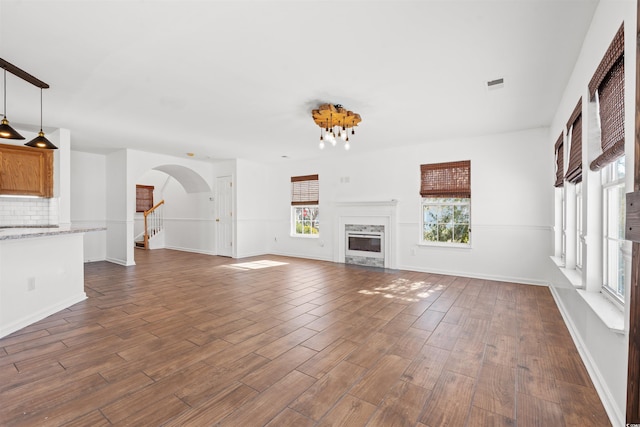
616, 418
118, 261
195, 251
497, 278
45, 312
330, 259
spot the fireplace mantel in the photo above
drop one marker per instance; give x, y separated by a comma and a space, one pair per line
382, 212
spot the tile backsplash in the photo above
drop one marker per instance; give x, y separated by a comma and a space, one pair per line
28, 211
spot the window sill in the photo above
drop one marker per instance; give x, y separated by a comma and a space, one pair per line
305, 236
605, 310
573, 276
444, 245
608, 312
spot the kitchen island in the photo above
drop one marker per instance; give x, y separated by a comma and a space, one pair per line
41, 273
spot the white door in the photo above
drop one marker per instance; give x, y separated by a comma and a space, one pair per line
224, 216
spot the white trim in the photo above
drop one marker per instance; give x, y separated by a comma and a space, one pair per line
195, 251
493, 226
605, 309
617, 419
297, 255
122, 262
367, 213
497, 278
189, 219
41, 314
305, 236
572, 275
390, 203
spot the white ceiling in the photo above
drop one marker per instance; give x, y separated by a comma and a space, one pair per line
226, 79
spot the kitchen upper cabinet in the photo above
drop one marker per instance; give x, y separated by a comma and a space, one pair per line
26, 171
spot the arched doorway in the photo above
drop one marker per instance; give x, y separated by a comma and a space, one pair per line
187, 212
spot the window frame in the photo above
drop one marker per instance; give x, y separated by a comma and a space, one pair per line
312, 222
611, 180
440, 202
142, 202
441, 185
579, 227
305, 194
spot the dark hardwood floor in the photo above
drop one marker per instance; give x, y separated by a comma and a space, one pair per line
193, 340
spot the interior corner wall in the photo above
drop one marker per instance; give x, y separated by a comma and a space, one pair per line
88, 201
511, 204
251, 203
119, 228
62, 173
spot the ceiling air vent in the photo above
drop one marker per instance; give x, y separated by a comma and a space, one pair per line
495, 84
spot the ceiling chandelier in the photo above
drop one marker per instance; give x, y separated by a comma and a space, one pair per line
335, 122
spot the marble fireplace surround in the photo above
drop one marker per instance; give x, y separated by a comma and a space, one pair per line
368, 213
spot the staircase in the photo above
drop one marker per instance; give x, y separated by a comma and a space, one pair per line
153, 226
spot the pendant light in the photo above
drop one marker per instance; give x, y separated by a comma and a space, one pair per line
7, 131
40, 141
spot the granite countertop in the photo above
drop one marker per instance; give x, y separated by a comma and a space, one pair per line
25, 232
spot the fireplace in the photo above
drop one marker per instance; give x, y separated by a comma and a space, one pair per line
372, 220
364, 245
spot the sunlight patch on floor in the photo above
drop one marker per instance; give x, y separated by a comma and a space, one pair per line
403, 289
254, 265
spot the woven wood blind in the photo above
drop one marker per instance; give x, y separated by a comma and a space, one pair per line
574, 170
614, 52
305, 190
611, 95
144, 197
608, 82
559, 148
452, 179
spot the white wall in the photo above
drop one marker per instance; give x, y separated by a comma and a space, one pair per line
89, 201
252, 201
31, 291
603, 350
119, 226
511, 204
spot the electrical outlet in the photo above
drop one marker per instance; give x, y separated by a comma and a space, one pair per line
413, 251
31, 284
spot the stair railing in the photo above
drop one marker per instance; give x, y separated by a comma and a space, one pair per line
153, 222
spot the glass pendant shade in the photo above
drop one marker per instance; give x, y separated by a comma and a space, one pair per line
41, 142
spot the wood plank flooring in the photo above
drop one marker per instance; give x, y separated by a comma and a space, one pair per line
184, 339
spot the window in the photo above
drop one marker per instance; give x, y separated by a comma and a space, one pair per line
305, 192
606, 88
559, 150
574, 176
446, 203
579, 227
144, 197
613, 219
